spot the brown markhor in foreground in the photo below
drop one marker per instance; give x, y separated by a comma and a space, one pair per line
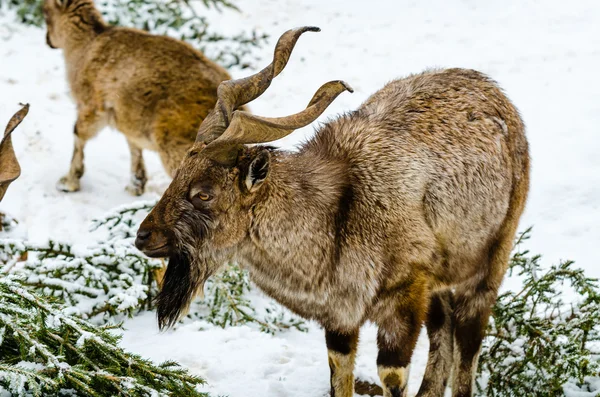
154, 89
380, 216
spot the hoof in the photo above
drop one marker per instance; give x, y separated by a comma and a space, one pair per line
134, 190
68, 185
136, 185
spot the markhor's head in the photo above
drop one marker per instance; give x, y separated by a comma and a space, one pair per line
206, 211
74, 19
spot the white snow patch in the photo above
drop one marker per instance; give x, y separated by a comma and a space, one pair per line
544, 55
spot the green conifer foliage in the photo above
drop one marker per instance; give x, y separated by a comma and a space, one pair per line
544, 339
46, 352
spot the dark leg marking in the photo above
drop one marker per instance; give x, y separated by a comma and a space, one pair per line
440, 329
400, 320
341, 349
471, 315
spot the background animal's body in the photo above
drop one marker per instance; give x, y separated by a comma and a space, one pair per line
154, 89
375, 218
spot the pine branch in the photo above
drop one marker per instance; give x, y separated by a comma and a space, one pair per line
65, 352
110, 278
47, 346
537, 344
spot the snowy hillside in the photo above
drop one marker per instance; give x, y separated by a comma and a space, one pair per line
544, 54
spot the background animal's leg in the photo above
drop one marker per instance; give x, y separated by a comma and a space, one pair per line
397, 336
87, 126
138, 171
341, 350
440, 329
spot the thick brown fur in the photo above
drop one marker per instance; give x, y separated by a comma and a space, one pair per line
378, 217
154, 89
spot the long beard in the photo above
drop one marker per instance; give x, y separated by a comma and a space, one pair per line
188, 269
182, 280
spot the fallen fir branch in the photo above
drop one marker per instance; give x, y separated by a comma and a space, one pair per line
105, 281
537, 343
98, 283
46, 352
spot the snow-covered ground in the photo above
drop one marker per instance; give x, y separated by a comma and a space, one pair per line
546, 55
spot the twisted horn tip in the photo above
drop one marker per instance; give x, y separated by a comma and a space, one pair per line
310, 29
347, 86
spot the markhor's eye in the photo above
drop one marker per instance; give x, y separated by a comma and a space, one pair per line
200, 200
203, 196
200, 196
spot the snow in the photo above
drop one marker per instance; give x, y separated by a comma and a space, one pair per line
242, 361
545, 55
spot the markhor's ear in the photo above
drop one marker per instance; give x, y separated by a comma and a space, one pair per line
258, 171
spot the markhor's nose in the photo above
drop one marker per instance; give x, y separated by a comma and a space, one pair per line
143, 236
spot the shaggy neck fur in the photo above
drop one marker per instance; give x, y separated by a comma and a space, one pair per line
297, 212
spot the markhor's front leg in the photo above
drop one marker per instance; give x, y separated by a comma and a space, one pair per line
341, 350
399, 321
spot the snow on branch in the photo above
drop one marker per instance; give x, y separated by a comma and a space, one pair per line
538, 343
44, 351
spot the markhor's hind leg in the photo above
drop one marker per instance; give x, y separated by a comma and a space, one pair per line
341, 350
471, 317
440, 329
473, 304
